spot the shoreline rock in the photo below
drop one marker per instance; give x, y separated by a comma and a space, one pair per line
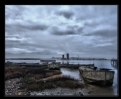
60, 92
12, 87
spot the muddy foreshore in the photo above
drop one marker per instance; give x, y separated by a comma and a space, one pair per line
12, 88
26, 81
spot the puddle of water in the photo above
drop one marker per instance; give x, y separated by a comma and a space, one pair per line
72, 73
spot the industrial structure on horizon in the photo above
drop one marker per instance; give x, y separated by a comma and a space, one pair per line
67, 56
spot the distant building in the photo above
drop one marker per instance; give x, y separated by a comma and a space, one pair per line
67, 55
62, 56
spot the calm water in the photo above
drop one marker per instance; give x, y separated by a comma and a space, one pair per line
26, 61
74, 73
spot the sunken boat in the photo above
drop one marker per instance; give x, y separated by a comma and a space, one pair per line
97, 76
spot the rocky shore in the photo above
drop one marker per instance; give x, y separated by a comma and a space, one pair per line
36, 82
60, 92
12, 88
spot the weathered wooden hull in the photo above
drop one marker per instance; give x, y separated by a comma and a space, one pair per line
54, 68
99, 82
97, 77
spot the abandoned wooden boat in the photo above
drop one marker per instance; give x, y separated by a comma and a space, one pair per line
54, 65
97, 76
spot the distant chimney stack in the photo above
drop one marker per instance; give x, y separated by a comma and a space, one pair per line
67, 55
62, 56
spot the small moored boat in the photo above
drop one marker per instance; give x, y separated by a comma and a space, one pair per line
97, 76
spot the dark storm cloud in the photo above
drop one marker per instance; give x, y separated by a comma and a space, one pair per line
47, 30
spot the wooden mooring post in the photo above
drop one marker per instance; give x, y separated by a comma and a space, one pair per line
114, 62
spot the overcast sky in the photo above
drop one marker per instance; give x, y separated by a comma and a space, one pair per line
53, 30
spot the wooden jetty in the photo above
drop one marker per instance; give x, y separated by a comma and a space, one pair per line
75, 66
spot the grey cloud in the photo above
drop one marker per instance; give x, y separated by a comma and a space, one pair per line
29, 50
25, 27
67, 30
106, 50
14, 12
38, 27
91, 50
107, 33
66, 14
94, 45
40, 31
17, 50
63, 32
90, 12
